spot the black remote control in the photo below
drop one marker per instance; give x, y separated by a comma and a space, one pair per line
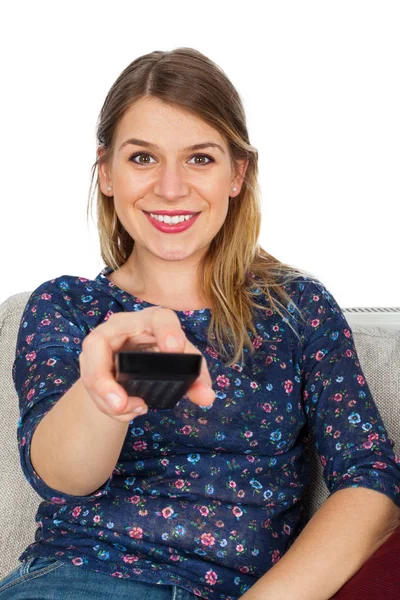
160, 378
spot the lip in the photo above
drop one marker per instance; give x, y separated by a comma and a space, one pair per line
172, 213
165, 228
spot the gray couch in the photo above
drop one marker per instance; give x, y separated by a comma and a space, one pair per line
377, 338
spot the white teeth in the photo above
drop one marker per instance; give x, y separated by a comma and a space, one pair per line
171, 220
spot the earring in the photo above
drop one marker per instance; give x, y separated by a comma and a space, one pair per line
109, 188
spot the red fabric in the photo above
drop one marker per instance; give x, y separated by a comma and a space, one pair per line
379, 577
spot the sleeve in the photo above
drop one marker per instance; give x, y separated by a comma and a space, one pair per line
343, 420
46, 365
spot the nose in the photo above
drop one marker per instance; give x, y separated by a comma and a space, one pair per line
171, 182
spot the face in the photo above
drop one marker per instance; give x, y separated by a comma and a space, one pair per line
165, 176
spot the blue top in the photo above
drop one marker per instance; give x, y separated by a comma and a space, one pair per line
205, 498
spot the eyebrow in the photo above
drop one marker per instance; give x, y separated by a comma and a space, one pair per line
138, 142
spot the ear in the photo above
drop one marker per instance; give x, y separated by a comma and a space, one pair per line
104, 174
237, 181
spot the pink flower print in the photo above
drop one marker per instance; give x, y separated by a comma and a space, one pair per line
287, 529
368, 445
379, 465
30, 356
45, 322
360, 379
46, 296
237, 511
257, 342
288, 386
240, 494
204, 511
167, 512
336, 434
222, 381
320, 355
186, 429
29, 338
268, 360
373, 437
76, 511
207, 539
58, 381
51, 362
323, 460
129, 558
96, 518
239, 548
347, 333
179, 484
211, 577
136, 533
253, 385
250, 458
30, 394
329, 429
165, 462
219, 523
244, 569
248, 434
276, 555
232, 484
174, 557
65, 338
134, 499
211, 352
338, 397
139, 445
267, 407
314, 323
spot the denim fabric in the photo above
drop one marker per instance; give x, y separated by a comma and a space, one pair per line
48, 578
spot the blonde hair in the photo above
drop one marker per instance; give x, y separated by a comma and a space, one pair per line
236, 268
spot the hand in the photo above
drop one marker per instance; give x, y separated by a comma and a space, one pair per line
133, 331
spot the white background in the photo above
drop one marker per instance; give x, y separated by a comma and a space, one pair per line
321, 89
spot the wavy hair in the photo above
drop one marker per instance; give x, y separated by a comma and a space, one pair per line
235, 269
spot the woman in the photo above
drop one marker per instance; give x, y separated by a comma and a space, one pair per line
203, 500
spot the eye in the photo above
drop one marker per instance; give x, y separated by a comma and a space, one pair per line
132, 158
203, 156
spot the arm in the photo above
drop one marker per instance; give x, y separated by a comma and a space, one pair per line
61, 433
347, 529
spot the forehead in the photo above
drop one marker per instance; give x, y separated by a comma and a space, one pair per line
164, 125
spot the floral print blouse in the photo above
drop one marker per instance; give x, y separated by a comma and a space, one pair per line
205, 498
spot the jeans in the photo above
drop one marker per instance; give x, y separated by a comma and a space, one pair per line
50, 579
